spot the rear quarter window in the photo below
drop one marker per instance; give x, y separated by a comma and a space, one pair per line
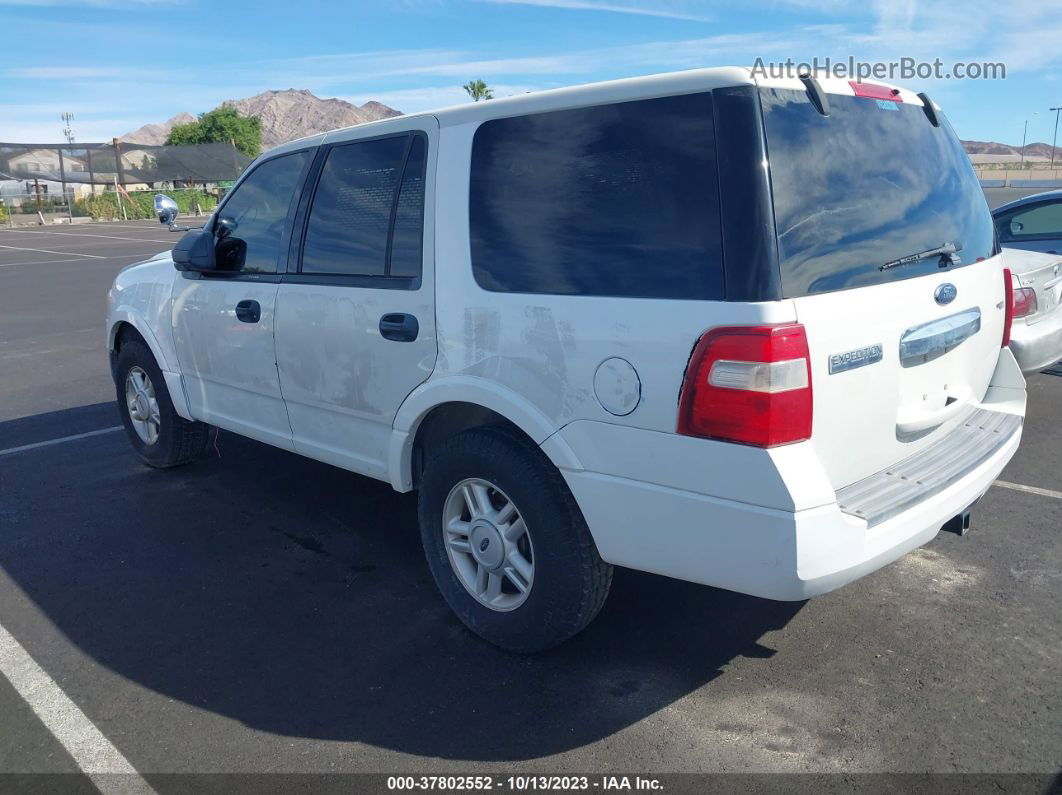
613, 200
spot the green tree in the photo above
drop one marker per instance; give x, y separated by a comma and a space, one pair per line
478, 90
220, 125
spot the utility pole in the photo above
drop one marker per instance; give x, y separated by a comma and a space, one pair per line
68, 130
1054, 140
120, 171
1024, 135
68, 133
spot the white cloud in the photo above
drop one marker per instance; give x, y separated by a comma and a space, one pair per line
641, 9
83, 3
13, 130
607, 61
415, 100
64, 72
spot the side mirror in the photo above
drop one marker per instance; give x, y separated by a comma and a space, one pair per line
166, 210
1016, 227
195, 252
224, 227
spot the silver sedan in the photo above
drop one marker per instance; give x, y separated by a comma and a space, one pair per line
1036, 335
1033, 223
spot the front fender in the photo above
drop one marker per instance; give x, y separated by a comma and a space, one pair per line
126, 314
478, 391
168, 365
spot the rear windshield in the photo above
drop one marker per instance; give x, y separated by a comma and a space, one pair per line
872, 183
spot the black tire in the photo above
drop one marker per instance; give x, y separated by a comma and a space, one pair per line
571, 581
179, 440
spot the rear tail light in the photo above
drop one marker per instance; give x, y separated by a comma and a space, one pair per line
1024, 302
749, 384
1008, 305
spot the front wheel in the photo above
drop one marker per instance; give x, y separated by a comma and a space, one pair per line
157, 432
506, 543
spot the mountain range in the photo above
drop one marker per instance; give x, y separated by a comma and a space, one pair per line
1034, 150
285, 115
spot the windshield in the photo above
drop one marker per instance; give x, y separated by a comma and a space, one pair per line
869, 185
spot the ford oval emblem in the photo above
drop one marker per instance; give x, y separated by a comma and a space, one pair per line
945, 294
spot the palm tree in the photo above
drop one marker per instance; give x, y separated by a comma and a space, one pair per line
478, 90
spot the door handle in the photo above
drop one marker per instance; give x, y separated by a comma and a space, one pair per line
249, 311
399, 327
913, 422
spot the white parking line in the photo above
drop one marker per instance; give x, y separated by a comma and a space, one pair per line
49, 251
38, 262
60, 440
94, 754
149, 226
86, 234
144, 223
1030, 489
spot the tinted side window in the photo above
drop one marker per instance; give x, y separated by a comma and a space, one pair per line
361, 189
1040, 220
250, 226
408, 237
616, 200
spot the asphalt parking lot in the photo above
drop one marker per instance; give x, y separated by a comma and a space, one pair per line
260, 612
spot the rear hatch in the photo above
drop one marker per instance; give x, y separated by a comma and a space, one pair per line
902, 341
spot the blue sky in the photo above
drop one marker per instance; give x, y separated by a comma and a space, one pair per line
118, 64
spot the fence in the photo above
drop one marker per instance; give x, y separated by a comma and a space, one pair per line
30, 209
1039, 175
124, 163
56, 177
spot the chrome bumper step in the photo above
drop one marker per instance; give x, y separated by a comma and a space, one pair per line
973, 441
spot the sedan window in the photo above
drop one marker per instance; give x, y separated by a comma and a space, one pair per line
1043, 220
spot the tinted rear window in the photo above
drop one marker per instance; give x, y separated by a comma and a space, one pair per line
868, 184
615, 200
351, 212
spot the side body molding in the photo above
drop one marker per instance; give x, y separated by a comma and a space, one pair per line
479, 391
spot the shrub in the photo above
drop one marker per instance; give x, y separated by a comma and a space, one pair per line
141, 204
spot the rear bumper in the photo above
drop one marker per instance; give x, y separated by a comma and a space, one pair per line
771, 526
761, 551
1039, 345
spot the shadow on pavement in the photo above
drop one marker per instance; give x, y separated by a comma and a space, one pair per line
293, 597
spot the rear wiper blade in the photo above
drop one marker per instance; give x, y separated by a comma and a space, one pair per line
946, 251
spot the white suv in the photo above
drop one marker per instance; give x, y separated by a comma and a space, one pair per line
747, 333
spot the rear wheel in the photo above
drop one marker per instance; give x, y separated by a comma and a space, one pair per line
506, 543
157, 432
